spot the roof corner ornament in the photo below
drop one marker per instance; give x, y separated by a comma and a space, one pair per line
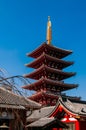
49, 33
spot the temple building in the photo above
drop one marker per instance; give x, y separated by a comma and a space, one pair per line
58, 111
68, 114
49, 74
13, 110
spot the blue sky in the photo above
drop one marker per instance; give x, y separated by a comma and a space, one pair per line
23, 28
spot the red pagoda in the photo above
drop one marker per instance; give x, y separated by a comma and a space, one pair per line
48, 72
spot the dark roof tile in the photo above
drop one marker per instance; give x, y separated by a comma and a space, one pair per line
9, 98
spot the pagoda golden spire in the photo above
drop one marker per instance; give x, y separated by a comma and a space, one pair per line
49, 33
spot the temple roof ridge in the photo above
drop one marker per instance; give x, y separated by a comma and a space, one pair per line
76, 108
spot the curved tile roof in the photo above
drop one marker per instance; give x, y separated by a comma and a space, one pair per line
9, 98
37, 114
75, 107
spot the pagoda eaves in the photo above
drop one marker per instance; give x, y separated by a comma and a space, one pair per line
51, 50
43, 94
46, 59
50, 73
49, 85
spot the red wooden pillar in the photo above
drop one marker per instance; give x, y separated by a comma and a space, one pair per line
77, 127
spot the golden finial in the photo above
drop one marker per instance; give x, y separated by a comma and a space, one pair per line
49, 36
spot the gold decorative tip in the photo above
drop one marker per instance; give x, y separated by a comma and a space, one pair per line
49, 35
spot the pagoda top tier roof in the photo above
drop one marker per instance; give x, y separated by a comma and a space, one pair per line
48, 48
45, 58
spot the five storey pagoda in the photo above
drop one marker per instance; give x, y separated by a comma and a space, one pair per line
48, 72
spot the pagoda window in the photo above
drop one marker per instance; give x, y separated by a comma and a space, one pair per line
56, 54
59, 55
53, 65
56, 66
60, 66
51, 53
49, 75
53, 76
56, 78
48, 87
61, 77
53, 88
50, 64
59, 92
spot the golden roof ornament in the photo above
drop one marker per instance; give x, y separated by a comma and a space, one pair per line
49, 33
